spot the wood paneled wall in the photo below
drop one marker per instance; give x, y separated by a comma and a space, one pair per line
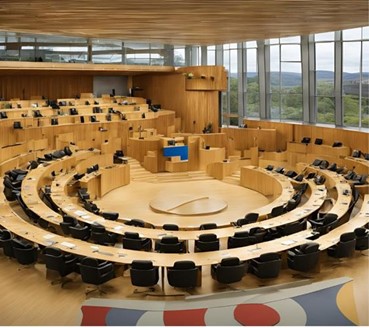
52, 86
289, 132
196, 108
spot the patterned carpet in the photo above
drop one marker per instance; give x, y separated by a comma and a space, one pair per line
326, 303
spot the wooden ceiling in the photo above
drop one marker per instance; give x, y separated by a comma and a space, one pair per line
203, 22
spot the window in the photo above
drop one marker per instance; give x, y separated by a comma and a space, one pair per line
355, 77
324, 82
285, 79
251, 86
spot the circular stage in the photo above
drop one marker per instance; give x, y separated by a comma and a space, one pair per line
187, 205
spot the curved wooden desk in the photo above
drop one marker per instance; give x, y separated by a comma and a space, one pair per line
37, 178
58, 194
359, 220
268, 183
338, 182
359, 165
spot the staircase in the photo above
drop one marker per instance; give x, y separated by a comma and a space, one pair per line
138, 173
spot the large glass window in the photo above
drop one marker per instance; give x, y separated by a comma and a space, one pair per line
230, 98
211, 55
355, 77
251, 86
285, 79
324, 78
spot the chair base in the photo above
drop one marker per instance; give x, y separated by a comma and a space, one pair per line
61, 281
102, 290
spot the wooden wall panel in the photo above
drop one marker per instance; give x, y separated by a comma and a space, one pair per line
51, 86
289, 132
195, 108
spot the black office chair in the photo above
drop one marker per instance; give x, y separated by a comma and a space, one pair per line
303, 258
208, 226
96, 272
80, 232
91, 207
249, 218
291, 205
100, 236
62, 263
83, 194
68, 221
6, 238
258, 233
207, 242
271, 234
135, 223
276, 211
132, 240
293, 227
170, 227
362, 239
144, 274
267, 265
112, 216
11, 188
290, 174
170, 244
68, 151
345, 247
325, 224
25, 252
229, 270
324, 164
241, 239
183, 274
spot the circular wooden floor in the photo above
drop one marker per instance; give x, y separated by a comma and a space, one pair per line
186, 204
133, 201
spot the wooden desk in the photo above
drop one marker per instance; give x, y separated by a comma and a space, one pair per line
359, 220
316, 197
12, 222
106, 179
40, 176
338, 182
359, 165
207, 156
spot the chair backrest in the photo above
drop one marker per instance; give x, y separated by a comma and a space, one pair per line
251, 217
136, 223
170, 244
183, 274
258, 233
267, 265
80, 232
345, 247
229, 270
95, 272
241, 239
143, 273
329, 218
207, 242
25, 255
170, 227
276, 211
132, 240
208, 226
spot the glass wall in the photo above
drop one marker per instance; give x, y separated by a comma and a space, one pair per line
355, 77
285, 79
324, 77
321, 78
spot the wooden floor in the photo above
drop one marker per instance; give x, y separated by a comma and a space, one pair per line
28, 298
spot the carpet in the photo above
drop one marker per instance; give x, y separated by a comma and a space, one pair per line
325, 303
